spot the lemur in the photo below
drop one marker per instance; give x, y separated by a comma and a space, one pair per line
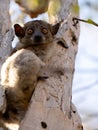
21, 70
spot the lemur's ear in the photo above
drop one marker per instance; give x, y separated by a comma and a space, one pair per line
19, 31
55, 28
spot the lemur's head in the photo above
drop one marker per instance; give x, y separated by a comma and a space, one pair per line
36, 32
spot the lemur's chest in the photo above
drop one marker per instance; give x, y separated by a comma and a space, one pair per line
42, 51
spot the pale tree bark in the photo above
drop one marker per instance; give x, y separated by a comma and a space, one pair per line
51, 105
6, 37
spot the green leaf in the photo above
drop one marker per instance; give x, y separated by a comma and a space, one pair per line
92, 22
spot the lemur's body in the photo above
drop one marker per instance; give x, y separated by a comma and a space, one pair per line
20, 71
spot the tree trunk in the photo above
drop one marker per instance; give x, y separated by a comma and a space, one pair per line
6, 37
51, 105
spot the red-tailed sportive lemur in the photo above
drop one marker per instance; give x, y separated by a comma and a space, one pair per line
21, 70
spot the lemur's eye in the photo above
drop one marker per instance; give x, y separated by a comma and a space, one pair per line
44, 30
30, 31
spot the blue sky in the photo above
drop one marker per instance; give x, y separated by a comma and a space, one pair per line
85, 84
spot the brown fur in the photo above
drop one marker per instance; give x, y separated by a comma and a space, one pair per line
20, 71
40, 41
19, 76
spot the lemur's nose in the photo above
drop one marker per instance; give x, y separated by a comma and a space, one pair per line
37, 38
